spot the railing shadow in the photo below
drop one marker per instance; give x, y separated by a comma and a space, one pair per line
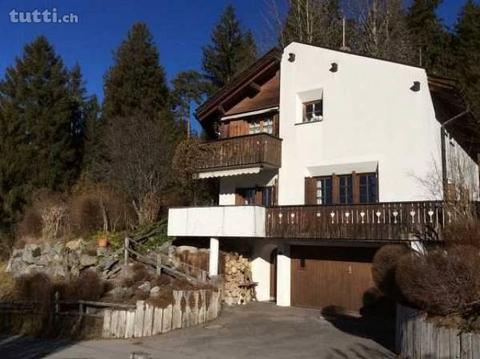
15, 346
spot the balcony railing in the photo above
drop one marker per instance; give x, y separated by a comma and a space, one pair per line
239, 152
379, 221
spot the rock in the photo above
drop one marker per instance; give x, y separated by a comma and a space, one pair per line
87, 261
31, 252
155, 292
56, 271
145, 287
33, 269
74, 245
190, 249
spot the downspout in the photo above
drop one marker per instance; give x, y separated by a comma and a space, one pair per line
443, 134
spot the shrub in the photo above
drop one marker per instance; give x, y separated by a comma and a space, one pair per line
87, 286
7, 286
30, 225
384, 268
441, 281
466, 232
35, 287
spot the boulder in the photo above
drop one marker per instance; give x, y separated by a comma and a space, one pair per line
74, 245
145, 287
87, 261
155, 292
31, 253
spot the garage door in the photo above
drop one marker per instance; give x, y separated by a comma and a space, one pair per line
330, 276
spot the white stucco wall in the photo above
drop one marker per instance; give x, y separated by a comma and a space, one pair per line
229, 184
370, 114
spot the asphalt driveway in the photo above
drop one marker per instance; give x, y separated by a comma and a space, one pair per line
259, 330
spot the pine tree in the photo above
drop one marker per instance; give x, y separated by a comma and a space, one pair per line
135, 84
93, 154
467, 52
38, 122
188, 87
231, 51
430, 39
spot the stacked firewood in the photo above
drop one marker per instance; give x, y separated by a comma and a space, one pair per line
238, 285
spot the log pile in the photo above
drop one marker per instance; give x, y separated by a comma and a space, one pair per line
238, 285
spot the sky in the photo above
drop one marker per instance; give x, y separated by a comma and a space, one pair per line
180, 28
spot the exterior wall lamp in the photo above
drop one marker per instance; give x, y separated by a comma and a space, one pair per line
334, 67
291, 57
416, 86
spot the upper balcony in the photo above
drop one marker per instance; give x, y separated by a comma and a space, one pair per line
255, 151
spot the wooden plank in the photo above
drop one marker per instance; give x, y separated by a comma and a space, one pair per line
157, 321
177, 309
148, 321
139, 319
195, 310
107, 317
130, 324
167, 319
203, 308
114, 324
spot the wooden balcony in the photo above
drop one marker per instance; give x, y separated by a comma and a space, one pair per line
259, 150
393, 221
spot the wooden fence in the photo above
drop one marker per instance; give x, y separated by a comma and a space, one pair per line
189, 308
419, 338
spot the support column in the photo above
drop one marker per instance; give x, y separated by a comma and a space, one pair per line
283, 276
213, 258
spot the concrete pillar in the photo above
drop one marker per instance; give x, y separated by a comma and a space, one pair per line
283, 276
213, 258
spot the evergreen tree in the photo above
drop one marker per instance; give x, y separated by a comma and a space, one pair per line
467, 52
231, 51
188, 87
135, 84
38, 126
93, 155
430, 39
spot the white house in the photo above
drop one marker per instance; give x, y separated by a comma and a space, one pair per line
323, 156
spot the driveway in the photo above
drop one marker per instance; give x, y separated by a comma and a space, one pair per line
259, 330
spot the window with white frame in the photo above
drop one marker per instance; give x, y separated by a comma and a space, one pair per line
268, 125
313, 111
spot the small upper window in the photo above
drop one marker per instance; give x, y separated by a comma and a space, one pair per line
268, 125
313, 111
254, 127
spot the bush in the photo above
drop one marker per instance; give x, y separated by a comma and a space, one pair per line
7, 286
466, 232
442, 281
87, 286
35, 287
384, 267
30, 225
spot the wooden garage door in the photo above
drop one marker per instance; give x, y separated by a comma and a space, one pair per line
330, 276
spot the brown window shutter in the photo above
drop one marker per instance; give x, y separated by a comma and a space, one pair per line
239, 199
335, 189
310, 190
356, 187
258, 196
276, 125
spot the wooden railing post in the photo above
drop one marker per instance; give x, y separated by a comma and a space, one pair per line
126, 245
56, 301
159, 263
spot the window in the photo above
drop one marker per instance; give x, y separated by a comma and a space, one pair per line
268, 125
258, 126
247, 195
324, 190
368, 188
267, 197
346, 189
254, 127
313, 111
261, 196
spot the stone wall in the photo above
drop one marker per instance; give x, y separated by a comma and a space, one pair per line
56, 260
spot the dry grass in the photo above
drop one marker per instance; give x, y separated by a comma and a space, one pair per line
88, 286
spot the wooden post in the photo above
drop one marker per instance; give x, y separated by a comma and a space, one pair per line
126, 244
57, 304
159, 262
